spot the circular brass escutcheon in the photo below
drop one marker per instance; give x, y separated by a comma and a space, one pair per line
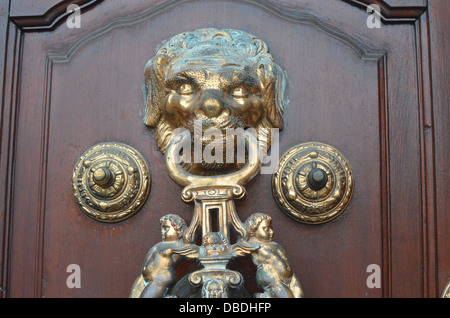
313, 183
111, 182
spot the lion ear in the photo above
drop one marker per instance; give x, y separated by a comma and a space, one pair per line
153, 88
273, 87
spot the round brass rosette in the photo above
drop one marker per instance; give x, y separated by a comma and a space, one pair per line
313, 183
111, 182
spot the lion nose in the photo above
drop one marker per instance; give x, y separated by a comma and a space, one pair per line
212, 104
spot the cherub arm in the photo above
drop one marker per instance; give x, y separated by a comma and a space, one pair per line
188, 251
243, 248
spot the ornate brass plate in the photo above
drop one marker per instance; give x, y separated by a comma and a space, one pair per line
111, 182
313, 183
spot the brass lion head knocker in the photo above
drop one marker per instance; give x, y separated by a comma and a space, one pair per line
225, 80
198, 87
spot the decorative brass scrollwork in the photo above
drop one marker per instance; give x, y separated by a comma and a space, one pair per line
111, 182
314, 183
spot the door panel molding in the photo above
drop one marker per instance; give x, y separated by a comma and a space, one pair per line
403, 13
35, 20
50, 18
9, 123
364, 51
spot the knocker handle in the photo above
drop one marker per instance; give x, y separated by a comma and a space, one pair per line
184, 178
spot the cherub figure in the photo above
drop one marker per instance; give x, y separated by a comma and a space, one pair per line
159, 266
274, 274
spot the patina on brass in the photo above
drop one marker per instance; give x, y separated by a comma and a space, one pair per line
111, 182
209, 78
274, 274
221, 79
158, 271
313, 183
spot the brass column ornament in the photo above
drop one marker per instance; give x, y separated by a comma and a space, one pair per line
205, 92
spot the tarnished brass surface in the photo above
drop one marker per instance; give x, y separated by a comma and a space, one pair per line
111, 182
446, 292
215, 280
185, 178
213, 79
158, 269
223, 80
308, 199
274, 273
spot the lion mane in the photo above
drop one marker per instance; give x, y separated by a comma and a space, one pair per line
272, 78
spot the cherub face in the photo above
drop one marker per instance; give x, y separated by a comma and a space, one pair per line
264, 232
215, 243
168, 232
215, 289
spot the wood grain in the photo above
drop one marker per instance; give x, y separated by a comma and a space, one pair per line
377, 95
10, 65
438, 136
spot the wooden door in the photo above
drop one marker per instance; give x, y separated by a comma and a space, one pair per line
377, 94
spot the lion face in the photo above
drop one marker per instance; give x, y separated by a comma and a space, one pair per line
208, 79
205, 87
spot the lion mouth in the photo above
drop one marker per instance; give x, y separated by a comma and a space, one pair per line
212, 134
223, 123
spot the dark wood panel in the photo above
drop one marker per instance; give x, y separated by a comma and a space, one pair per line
439, 128
35, 8
402, 13
363, 91
9, 61
427, 158
406, 3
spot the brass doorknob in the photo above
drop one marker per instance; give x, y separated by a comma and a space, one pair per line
317, 179
313, 183
111, 182
103, 177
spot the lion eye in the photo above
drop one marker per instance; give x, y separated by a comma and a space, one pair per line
185, 89
239, 92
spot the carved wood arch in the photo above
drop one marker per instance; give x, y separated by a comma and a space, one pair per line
364, 51
50, 17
